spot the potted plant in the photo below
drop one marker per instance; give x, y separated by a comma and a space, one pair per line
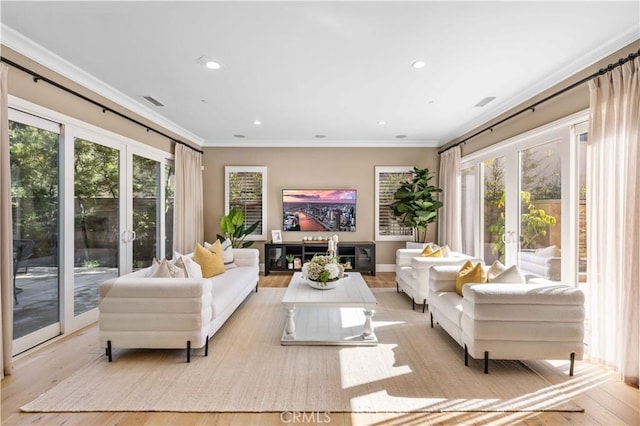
232, 226
290, 258
416, 203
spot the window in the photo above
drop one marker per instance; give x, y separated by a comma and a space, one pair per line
246, 190
388, 179
469, 191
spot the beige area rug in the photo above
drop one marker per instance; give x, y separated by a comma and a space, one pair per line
414, 368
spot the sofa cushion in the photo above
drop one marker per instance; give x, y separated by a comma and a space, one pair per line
449, 305
211, 261
494, 270
551, 251
470, 273
428, 250
226, 287
526, 293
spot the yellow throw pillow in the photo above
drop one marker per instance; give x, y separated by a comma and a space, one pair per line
436, 253
211, 261
427, 251
470, 273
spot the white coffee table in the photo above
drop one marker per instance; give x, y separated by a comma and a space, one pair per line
339, 316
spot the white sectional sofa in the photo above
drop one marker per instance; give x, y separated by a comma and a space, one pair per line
543, 262
509, 321
136, 311
412, 272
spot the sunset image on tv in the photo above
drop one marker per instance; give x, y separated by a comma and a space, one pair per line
319, 209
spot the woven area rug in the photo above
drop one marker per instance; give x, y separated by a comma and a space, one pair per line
414, 368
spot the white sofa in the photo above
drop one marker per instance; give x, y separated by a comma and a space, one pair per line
412, 272
136, 311
509, 321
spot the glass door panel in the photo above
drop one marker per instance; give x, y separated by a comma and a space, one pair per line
468, 209
169, 179
146, 200
34, 156
96, 220
493, 216
540, 242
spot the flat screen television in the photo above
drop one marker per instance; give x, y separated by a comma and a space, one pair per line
323, 210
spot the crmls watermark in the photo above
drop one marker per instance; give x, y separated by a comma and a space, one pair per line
305, 417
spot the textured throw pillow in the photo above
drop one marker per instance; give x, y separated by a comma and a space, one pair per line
210, 261
445, 251
191, 267
166, 269
227, 255
470, 273
494, 270
511, 275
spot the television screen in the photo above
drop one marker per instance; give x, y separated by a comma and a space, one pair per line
319, 209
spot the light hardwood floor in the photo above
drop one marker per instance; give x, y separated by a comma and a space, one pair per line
606, 400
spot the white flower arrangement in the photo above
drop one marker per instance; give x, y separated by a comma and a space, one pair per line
323, 269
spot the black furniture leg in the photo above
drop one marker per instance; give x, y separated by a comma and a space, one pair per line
573, 359
188, 351
206, 347
431, 315
397, 287
466, 356
424, 305
257, 287
413, 304
109, 350
486, 362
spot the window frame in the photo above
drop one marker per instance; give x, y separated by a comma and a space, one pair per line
379, 170
228, 170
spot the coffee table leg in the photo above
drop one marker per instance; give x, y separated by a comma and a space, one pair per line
290, 328
368, 325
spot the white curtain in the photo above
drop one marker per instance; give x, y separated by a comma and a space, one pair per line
6, 233
188, 221
449, 217
613, 231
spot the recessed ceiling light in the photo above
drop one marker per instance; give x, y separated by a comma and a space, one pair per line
401, 136
212, 65
381, 123
239, 136
484, 101
420, 63
321, 136
256, 122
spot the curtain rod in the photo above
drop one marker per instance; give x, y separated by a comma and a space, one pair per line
37, 77
532, 107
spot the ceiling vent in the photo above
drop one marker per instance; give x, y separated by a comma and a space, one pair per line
153, 101
484, 101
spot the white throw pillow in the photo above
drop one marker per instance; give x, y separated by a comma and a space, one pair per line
227, 255
511, 275
494, 270
191, 267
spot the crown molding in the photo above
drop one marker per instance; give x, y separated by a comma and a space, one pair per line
322, 143
27, 47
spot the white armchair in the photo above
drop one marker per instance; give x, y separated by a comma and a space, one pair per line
412, 272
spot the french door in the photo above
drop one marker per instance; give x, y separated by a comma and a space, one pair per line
88, 205
521, 202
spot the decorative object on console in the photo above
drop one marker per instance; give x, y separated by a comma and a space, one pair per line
232, 226
416, 203
290, 259
276, 236
319, 210
323, 269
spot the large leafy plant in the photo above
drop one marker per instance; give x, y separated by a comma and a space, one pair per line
232, 226
416, 204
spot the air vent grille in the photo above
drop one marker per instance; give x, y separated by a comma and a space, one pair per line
153, 101
484, 101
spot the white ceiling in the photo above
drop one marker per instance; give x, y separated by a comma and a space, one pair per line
320, 68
